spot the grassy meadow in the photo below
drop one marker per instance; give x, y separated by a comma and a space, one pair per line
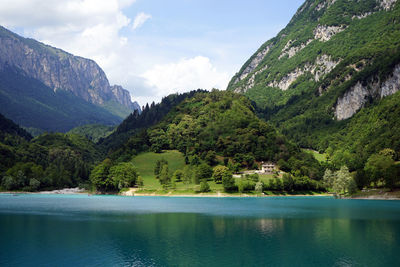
146, 162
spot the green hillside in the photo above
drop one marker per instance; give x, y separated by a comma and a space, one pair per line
93, 132
209, 129
49, 161
30, 103
324, 80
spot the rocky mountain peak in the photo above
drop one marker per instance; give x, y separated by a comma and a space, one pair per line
60, 70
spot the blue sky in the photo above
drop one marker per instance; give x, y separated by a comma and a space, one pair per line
153, 47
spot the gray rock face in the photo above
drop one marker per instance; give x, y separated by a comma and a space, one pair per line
325, 33
323, 65
355, 98
291, 51
352, 101
324, 4
254, 63
59, 70
387, 4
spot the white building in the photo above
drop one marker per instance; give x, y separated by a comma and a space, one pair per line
267, 167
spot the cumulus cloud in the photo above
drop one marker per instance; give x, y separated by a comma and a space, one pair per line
140, 19
185, 75
88, 28
95, 29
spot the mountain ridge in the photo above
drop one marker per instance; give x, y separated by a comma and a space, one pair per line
303, 54
60, 70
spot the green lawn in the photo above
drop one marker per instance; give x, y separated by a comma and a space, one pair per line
318, 156
146, 162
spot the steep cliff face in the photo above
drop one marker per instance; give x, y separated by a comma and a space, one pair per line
357, 96
123, 97
60, 70
334, 59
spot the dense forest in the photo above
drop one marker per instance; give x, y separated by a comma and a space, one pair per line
218, 134
297, 78
150, 115
49, 161
210, 129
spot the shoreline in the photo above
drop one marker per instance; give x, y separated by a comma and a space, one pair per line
68, 191
132, 193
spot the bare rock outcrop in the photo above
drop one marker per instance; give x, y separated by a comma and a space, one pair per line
250, 82
291, 51
59, 70
254, 63
357, 96
324, 4
387, 4
322, 66
325, 33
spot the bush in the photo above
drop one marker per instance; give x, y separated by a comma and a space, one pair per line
204, 171
219, 172
259, 187
245, 185
204, 187
228, 182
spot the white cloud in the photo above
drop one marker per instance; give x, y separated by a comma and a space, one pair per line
140, 19
98, 30
88, 28
185, 75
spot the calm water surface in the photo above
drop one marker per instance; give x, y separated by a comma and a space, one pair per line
62, 230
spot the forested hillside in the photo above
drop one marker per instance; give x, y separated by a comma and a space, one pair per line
212, 128
328, 80
50, 161
150, 115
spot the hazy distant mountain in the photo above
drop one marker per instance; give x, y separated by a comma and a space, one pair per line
47, 88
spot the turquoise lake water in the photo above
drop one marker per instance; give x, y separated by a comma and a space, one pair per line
75, 230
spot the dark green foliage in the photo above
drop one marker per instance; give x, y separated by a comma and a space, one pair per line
381, 168
159, 165
123, 175
136, 121
204, 186
210, 158
164, 177
203, 172
9, 129
178, 176
100, 178
228, 182
219, 123
246, 185
93, 132
219, 172
368, 50
288, 182
49, 161
109, 177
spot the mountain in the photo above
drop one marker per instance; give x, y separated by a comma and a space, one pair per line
330, 69
60, 89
